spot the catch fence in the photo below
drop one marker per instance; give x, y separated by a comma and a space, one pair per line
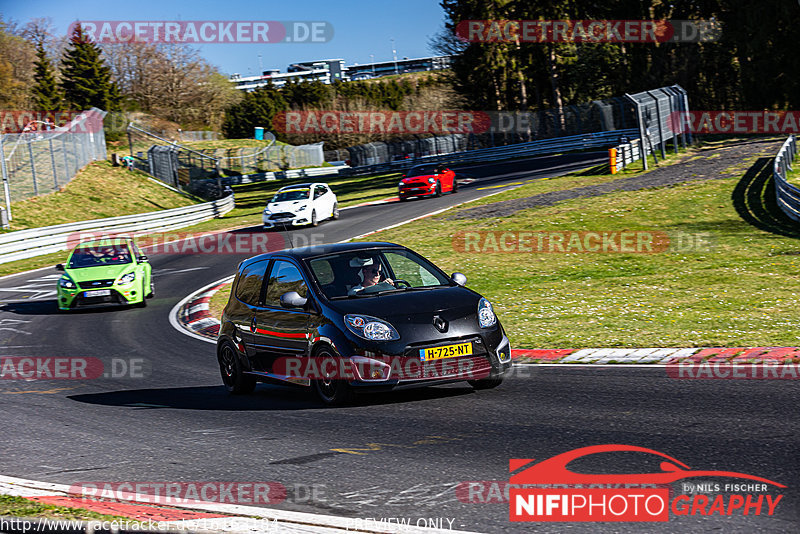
43, 157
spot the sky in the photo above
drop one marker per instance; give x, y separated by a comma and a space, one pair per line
361, 27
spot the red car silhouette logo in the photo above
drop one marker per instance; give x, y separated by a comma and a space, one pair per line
555, 471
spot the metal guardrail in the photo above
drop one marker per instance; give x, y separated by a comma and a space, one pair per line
24, 244
627, 153
519, 150
787, 195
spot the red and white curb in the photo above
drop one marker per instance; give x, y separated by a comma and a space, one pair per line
663, 356
191, 316
204, 516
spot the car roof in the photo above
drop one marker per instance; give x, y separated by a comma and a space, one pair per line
300, 186
302, 253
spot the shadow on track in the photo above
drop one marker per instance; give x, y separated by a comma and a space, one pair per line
50, 307
267, 397
754, 201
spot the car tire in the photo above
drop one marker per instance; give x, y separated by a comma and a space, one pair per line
152, 291
403, 199
438, 189
335, 213
455, 186
486, 383
314, 221
332, 392
143, 302
230, 367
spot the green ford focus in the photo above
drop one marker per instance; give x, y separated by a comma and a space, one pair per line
105, 272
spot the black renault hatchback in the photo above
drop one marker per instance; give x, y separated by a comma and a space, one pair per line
356, 317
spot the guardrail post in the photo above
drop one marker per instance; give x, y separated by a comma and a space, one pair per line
6, 192
33, 170
53, 163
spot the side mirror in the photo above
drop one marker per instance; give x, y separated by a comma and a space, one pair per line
141, 258
459, 279
292, 299
60, 267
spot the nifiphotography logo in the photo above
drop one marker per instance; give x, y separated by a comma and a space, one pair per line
560, 494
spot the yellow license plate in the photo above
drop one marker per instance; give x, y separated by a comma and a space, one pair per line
448, 351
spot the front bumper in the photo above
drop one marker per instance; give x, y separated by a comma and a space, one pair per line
486, 362
71, 299
417, 191
297, 220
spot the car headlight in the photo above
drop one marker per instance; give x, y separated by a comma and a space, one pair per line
66, 282
401, 184
127, 278
266, 211
370, 328
431, 180
486, 316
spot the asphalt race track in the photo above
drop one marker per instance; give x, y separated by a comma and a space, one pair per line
398, 455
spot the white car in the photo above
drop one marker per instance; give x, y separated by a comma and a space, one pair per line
300, 204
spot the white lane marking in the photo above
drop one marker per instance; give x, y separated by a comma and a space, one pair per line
10, 325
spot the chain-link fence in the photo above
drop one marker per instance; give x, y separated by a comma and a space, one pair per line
43, 158
251, 160
658, 115
503, 128
199, 171
200, 135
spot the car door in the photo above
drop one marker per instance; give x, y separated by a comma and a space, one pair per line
328, 197
449, 179
323, 202
248, 294
280, 331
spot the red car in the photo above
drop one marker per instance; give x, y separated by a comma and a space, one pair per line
427, 180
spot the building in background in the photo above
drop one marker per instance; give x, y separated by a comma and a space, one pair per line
330, 70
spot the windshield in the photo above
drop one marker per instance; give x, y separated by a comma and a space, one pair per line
373, 272
292, 194
97, 255
422, 171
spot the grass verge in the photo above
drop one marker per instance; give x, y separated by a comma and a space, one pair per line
219, 300
20, 507
734, 288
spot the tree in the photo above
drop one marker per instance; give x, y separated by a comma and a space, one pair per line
256, 109
86, 79
16, 67
46, 93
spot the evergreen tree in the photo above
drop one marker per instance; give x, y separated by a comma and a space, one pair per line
85, 78
257, 108
46, 93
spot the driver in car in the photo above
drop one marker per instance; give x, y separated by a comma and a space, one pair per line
369, 273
